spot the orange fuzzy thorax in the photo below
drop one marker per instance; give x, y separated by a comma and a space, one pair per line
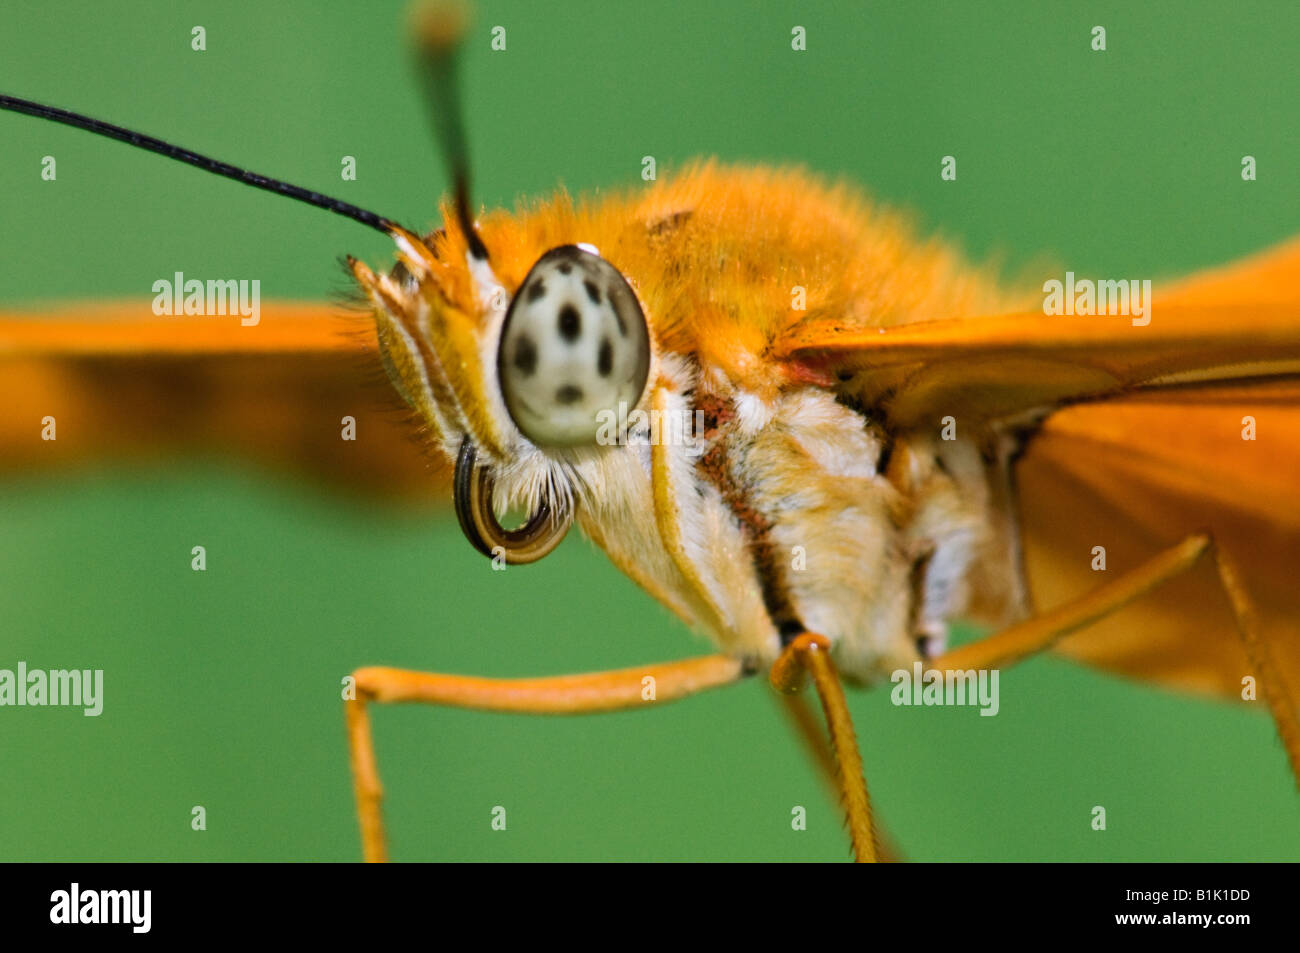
715, 253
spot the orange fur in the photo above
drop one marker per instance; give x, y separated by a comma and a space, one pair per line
714, 253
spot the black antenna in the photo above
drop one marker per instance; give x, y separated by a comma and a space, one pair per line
438, 28
150, 144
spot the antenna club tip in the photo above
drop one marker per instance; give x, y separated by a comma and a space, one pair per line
439, 25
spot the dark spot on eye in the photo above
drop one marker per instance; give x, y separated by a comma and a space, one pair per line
568, 394
569, 324
565, 268
525, 355
618, 316
537, 290
605, 360
592, 291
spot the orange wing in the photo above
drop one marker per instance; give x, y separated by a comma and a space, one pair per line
1142, 444
1138, 473
122, 383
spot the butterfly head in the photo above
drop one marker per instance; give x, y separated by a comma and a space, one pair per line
523, 351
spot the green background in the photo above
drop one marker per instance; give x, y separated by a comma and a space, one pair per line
222, 688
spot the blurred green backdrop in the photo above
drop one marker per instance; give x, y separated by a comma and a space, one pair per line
222, 688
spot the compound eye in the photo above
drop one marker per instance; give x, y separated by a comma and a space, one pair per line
574, 345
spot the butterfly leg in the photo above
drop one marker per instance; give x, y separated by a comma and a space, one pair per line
1277, 694
1020, 641
559, 695
1041, 632
811, 734
809, 728
809, 653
